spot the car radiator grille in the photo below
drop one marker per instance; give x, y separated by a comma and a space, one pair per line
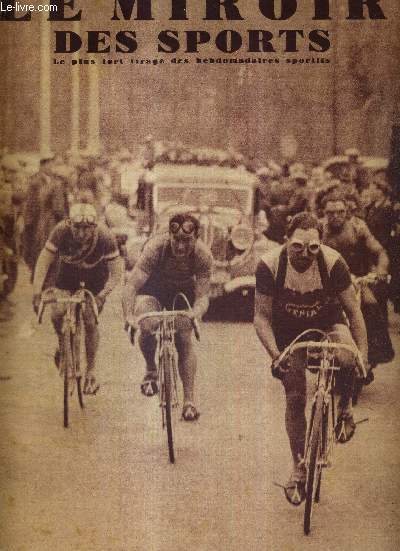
217, 239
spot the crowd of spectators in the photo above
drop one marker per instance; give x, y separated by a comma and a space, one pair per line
34, 197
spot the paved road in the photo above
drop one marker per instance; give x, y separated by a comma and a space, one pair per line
106, 484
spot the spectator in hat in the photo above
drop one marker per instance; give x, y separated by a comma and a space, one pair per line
354, 174
46, 205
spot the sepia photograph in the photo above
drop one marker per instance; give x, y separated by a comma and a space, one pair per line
199, 275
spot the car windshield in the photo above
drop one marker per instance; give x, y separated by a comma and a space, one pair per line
212, 197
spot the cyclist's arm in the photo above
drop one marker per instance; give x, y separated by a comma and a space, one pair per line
376, 250
147, 264
382, 265
115, 270
45, 260
203, 269
201, 303
263, 323
356, 320
135, 282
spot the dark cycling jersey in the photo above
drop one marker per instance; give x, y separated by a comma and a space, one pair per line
306, 300
77, 264
169, 275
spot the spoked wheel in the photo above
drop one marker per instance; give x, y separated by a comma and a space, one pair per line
80, 393
66, 398
314, 465
76, 341
318, 490
66, 362
326, 442
167, 397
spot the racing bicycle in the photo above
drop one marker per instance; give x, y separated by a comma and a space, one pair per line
72, 349
166, 362
320, 359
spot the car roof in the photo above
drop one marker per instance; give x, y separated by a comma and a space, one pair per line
192, 174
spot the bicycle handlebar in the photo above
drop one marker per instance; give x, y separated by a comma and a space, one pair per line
370, 279
324, 346
164, 314
79, 297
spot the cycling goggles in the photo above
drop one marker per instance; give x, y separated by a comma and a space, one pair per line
187, 226
84, 220
339, 212
298, 246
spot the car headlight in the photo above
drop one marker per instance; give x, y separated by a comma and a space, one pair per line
242, 237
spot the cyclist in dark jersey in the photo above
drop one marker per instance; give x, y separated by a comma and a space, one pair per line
306, 285
351, 237
80, 251
169, 264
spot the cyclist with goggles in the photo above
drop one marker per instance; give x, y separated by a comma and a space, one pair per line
307, 285
80, 251
171, 263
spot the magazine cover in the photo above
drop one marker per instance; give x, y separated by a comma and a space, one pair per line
199, 275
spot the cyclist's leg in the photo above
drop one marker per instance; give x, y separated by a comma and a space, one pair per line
375, 314
344, 383
294, 382
187, 361
147, 341
345, 380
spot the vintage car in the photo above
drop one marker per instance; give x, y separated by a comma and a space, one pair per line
225, 200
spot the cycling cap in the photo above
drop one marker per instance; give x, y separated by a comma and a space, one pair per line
83, 214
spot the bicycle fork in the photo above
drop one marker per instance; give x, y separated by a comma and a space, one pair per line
324, 387
328, 422
71, 340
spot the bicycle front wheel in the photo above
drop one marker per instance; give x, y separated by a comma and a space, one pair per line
327, 439
67, 363
167, 399
313, 461
76, 345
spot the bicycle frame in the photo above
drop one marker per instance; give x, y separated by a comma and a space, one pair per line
324, 387
70, 346
165, 337
72, 316
320, 436
326, 368
166, 355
